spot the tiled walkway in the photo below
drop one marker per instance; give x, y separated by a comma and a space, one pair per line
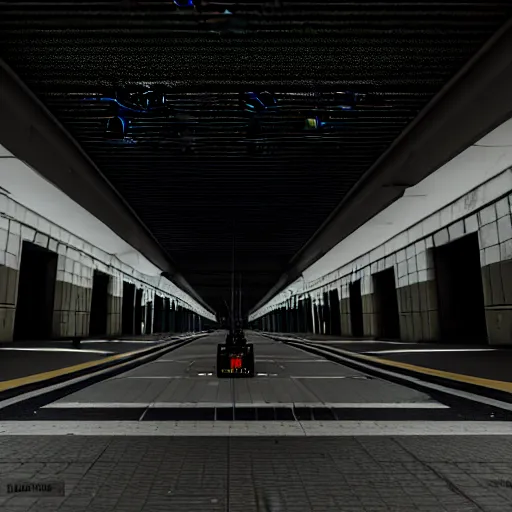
356, 474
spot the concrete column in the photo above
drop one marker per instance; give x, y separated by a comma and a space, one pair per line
369, 312
497, 281
72, 299
8, 296
417, 301
114, 306
346, 324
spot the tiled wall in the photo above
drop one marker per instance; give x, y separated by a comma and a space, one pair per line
485, 210
76, 263
495, 235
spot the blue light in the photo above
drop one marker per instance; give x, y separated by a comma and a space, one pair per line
184, 3
117, 102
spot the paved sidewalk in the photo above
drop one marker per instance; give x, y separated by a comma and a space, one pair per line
328, 474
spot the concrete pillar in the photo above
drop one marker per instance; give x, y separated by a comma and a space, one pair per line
417, 301
368, 301
346, 324
8, 295
497, 281
114, 306
72, 299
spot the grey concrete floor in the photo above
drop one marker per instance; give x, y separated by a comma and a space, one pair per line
367, 466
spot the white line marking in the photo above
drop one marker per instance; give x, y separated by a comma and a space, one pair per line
256, 428
423, 383
76, 350
329, 377
426, 350
153, 377
278, 360
170, 361
97, 405
186, 405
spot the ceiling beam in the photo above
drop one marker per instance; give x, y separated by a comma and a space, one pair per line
474, 102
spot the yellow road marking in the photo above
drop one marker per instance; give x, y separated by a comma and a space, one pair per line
39, 377
468, 379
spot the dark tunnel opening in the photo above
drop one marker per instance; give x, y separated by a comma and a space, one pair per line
158, 314
139, 312
386, 305
128, 309
148, 318
99, 304
334, 301
36, 293
460, 291
356, 309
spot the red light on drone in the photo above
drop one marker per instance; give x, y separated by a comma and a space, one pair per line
236, 362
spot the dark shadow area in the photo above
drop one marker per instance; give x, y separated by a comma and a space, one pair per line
36, 293
166, 318
334, 301
99, 304
460, 291
309, 315
138, 312
356, 309
326, 310
128, 310
148, 323
386, 301
172, 318
158, 310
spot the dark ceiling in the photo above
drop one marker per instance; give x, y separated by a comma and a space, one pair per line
251, 125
